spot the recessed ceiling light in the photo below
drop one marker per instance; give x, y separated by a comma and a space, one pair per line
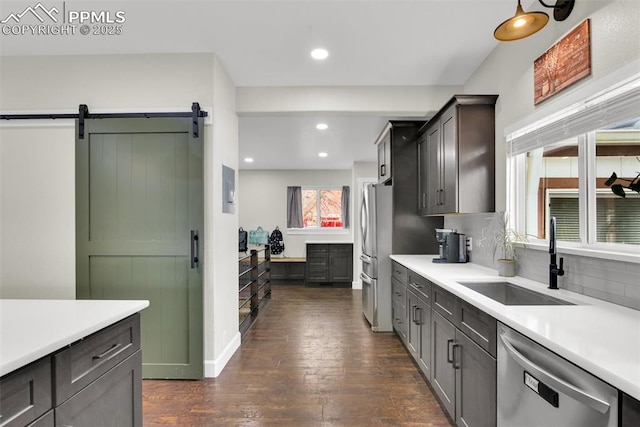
322, 154
321, 126
248, 160
319, 53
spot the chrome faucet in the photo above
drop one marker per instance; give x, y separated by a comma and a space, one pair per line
554, 269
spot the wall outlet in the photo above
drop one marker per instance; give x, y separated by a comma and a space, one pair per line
469, 243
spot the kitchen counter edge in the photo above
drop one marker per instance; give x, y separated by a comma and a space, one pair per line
32, 329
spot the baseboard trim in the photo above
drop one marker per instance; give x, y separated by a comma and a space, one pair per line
356, 285
213, 368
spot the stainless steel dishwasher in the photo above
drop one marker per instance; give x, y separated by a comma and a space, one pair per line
538, 388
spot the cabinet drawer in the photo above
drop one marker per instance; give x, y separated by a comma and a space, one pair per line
421, 286
113, 400
86, 360
341, 249
317, 250
399, 272
478, 325
318, 263
399, 290
444, 302
26, 394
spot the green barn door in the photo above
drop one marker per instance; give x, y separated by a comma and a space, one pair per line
139, 201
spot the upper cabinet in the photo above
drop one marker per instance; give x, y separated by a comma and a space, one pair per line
384, 156
456, 158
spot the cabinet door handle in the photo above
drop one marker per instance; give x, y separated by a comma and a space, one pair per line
453, 362
449, 359
418, 320
383, 170
195, 248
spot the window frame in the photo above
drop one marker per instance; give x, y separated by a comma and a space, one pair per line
588, 245
319, 230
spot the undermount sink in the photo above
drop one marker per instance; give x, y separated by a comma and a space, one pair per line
509, 294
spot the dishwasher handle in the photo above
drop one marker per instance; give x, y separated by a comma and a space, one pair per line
552, 380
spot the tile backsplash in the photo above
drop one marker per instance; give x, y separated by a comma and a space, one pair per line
614, 281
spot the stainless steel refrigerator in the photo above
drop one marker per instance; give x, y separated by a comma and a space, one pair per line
376, 222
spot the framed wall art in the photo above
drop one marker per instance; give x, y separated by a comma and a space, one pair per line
566, 62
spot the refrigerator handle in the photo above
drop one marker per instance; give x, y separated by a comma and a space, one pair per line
366, 258
365, 279
363, 217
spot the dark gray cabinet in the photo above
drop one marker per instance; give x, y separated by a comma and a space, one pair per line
287, 270
25, 395
475, 384
96, 381
630, 415
384, 158
113, 400
399, 300
398, 168
317, 263
340, 263
453, 343
456, 172
423, 171
329, 263
464, 366
419, 324
443, 336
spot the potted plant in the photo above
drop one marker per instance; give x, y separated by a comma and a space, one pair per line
504, 241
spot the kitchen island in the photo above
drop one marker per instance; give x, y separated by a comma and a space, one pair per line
70, 362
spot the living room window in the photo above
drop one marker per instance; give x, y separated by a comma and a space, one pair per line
322, 208
317, 209
559, 167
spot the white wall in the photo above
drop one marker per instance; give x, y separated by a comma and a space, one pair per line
221, 269
37, 169
362, 100
262, 196
508, 70
37, 218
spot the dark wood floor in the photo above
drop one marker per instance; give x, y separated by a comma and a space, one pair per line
310, 359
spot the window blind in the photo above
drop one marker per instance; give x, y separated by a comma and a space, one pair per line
603, 110
616, 219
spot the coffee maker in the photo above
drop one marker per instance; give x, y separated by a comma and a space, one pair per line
452, 246
441, 237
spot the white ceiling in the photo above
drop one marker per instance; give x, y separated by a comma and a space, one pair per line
267, 43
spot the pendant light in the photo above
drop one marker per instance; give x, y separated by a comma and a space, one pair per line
523, 24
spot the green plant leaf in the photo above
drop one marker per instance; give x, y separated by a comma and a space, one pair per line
635, 186
611, 180
618, 190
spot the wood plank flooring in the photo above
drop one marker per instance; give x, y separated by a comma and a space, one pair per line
310, 359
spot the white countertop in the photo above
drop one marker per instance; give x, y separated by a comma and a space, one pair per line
31, 329
600, 337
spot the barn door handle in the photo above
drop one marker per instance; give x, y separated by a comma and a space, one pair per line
195, 248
